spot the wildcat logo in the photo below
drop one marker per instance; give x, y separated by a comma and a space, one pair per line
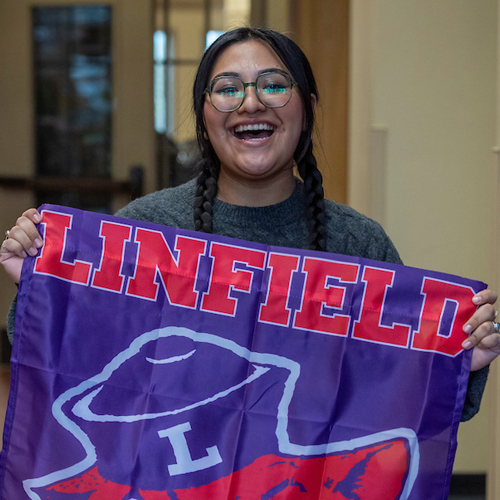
157, 424
369, 474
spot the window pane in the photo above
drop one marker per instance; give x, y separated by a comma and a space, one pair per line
73, 90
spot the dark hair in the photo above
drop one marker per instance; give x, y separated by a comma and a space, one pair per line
297, 64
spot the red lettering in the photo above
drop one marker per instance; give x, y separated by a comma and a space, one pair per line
430, 336
51, 259
108, 275
319, 293
275, 308
178, 276
369, 327
226, 277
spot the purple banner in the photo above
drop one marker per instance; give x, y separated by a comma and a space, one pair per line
161, 364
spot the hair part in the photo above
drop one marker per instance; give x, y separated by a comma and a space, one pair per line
297, 64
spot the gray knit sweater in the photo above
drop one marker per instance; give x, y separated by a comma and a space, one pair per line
284, 224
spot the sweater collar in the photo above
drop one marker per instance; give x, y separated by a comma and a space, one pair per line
272, 215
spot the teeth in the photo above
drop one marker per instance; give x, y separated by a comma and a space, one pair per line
248, 128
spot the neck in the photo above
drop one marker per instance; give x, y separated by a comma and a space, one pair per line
255, 193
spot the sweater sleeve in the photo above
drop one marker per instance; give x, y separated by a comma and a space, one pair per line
475, 389
382, 248
11, 316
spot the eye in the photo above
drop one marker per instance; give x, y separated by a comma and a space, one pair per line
274, 88
227, 87
228, 91
274, 83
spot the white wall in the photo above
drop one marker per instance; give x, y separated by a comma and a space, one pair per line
424, 82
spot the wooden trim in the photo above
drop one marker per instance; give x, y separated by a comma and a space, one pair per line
321, 29
492, 476
258, 14
134, 186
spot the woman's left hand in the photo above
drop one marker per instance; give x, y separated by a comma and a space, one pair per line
483, 338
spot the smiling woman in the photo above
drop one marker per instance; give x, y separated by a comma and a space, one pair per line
256, 142
254, 100
258, 171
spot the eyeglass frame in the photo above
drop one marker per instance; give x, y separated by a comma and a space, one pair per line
250, 84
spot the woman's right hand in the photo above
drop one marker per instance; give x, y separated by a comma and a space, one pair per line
23, 240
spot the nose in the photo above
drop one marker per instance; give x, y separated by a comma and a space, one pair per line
251, 103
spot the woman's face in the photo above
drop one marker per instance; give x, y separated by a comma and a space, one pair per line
246, 157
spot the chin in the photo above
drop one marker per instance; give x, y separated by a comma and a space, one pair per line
264, 168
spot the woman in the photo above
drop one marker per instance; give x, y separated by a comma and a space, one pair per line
254, 100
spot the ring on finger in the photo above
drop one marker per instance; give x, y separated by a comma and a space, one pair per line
4, 242
496, 327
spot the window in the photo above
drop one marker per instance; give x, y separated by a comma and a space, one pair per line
73, 97
183, 30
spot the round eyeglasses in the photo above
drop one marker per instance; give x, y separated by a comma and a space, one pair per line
273, 89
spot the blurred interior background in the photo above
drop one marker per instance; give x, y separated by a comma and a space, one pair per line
95, 110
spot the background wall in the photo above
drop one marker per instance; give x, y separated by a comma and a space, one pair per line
422, 127
133, 132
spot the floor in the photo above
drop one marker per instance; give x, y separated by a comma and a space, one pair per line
466, 497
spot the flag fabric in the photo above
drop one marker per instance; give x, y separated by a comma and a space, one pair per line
161, 364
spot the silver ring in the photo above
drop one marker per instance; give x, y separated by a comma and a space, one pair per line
496, 327
4, 246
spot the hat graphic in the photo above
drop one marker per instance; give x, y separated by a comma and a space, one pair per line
179, 407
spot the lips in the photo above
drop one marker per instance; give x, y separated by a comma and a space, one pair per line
255, 131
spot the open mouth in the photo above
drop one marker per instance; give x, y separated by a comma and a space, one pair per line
251, 132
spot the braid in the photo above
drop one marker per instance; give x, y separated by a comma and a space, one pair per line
315, 197
298, 66
206, 191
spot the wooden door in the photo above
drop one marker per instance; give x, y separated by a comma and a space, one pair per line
321, 29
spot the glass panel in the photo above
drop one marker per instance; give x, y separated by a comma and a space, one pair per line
183, 30
212, 35
160, 87
73, 95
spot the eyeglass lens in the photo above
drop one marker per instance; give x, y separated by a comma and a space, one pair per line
274, 90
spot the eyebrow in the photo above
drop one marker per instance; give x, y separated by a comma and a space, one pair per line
260, 72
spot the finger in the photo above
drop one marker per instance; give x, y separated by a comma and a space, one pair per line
29, 227
485, 297
11, 246
29, 222
484, 313
490, 342
26, 235
33, 214
484, 330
